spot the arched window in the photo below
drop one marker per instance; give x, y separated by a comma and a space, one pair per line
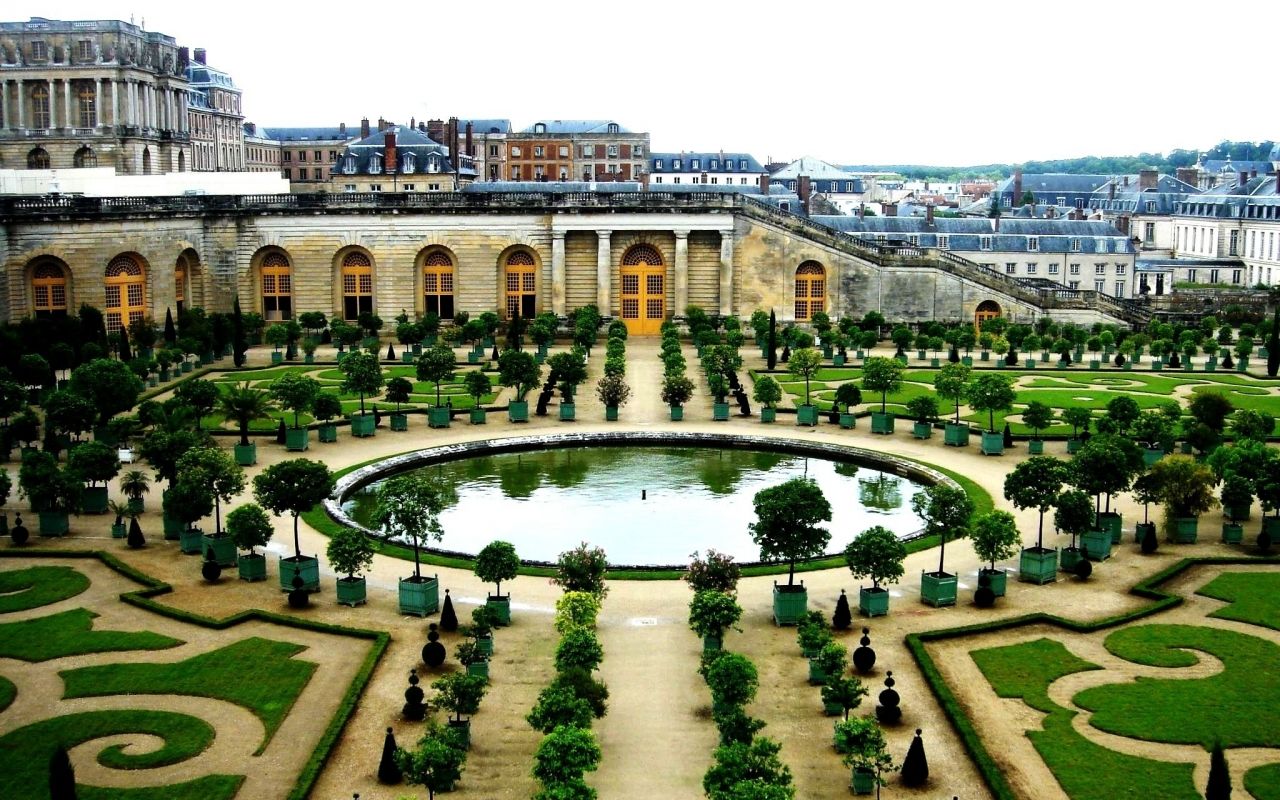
126, 292
522, 285
643, 298
40, 107
49, 290
987, 309
38, 159
85, 157
277, 287
357, 286
182, 161
811, 290
437, 284
146, 161
181, 282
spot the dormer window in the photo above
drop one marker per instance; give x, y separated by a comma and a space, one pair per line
375, 165
715, 164
433, 164
408, 163
742, 163
540, 128
348, 165
1033, 243
695, 164
677, 164
613, 127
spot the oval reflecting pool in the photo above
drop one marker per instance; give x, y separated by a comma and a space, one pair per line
645, 505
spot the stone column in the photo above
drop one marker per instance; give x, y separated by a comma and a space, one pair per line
115, 103
67, 121
98, 116
681, 276
726, 273
557, 274
4, 104
603, 259
22, 121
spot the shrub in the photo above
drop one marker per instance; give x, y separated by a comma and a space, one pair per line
559, 705
733, 679
876, 553
578, 649
584, 686
717, 572
711, 612
582, 570
576, 610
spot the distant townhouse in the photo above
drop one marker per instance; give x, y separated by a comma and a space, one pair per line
485, 140
261, 152
1142, 206
590, 150
1240, 220
808, 176
401, 159
713, 169
214, 116
307, 155
1049, 189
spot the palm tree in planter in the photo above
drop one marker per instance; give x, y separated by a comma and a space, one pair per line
924, 410
295, 486
768, 393
96, 464
436, 365
518, 370
995, 538
1237, 493
804, 364
349, 552
848, 395
992, 392
862, 743
1037, 416
876, 553
437, 761
398, 390
460, 694
245, 405
135, 485
1073, 515
53, 493
1079, 419
614, 393
497, 562
478, 385
571, 370
326, 407
676, 391
1036, 483
409, 507
224, 479
711, 613
362, 375
946, 511
118, 528
786, 528
952, 383
883, 376
1186, 489
250, 527
1106, 465
297, 393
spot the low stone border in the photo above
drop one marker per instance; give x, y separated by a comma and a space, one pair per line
356, 479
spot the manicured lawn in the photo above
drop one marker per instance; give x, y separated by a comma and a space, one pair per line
71, 634
7, 693
25, 754
1263, 782
21, 589
258, 674
1254, 597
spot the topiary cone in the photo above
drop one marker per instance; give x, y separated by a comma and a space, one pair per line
915, 767
135, 539
448, 617
62, 776
843, 617
388, 770
1219, 786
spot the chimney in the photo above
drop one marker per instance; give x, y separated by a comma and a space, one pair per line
1051, 212
199, 55
471, 151
364, 128
422, 127
804, 188
342, 129
1126, 181
1244, 178
1188, 175
890, 209
1147, 179
435, 130
764, 184
251, 128
1253, 173
413, 122
995, 224
862, 210
1111, 189
1123, 224
928, 215
184, 55
644, 181
1017, 187
389, 161
382, 124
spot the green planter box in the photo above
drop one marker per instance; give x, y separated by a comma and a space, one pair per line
306, 566
473, 357
954, 435
720, 412
438, 417
362, 425
1030, 363
1128, 366
400, 422
677, 413
1074, 445
998, 580
711, 644
327, 433
479, 668
1272, 526
1000, 363
1095, 364
938, 590
54, 523
873, 602
1044, 356
1157, 365
984, 356
1038, 566
921, 430
276, 358
1113, 523
1232, 533
223, 548
1185, 530
119, 531
610, 413
297, 440
191, 541
246, 454
848, 421
165, 376
1211, 365
501, 607
992, 443
768, 414
173, 528
807, 415
967, 360
1035, 447
309, 358
406, 356
478, 416
351, 591
1242, 365
1068, 557
518, 411
862, 781
252, 567
817, 676
882, 422
933, 363
789, 606
484, 644
419, 598
153, 381
920, 355
93, 500
568, 411
186, 367
1097, 544
1150, 457
839, 360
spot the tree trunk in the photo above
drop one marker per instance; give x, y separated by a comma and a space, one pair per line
297, 548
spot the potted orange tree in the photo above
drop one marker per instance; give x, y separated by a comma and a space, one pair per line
409, 507
945, 511
497, 562
787, 529
250, 527
349, 552
876, 553
295, 486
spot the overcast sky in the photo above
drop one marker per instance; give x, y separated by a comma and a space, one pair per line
923, 82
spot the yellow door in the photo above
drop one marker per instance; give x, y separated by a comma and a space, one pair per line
644, 298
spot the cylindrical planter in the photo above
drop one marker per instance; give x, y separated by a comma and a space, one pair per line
518, 411
501, 607
419, 598
789, 603
297, 440
247, 454
252, 567
400, 422
437, 417
873, 602
306, 566
223, 548
351, 591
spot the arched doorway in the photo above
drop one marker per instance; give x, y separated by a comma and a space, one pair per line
811, 290
38, 158
146, 161
357, 285
182, 161
644, 296
186, 281
49, 289
125, 292
522, 285
987, 309
276, 278
85, 157
437, 284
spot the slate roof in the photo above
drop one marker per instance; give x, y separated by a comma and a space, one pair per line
321, 134
1136, 202
814, 168
571, 126
1054, 236
661, 162
486, 125
1164, 183
1217, 165
409, 142
1054, 182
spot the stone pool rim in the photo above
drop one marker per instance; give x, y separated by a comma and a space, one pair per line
354, 480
